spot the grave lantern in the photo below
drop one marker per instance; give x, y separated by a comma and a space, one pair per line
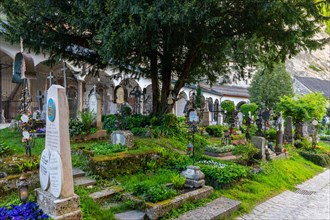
190, 148
23, 188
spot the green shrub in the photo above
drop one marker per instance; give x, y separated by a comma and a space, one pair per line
302, 143
322, 160
87, 117
170, 120
109, 123
178, 181
152, 192
220, 175
237, 137
228, 106
271, 134
107, 148
76, 127
219, 149
246, 153
141, 132
214, 130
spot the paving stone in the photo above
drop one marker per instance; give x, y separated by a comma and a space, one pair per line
104, 194
76, 172
83, 181
216, 209
297, 205
130, 215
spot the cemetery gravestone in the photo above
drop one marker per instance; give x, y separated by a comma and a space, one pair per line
56, 196
240, 118
260, 143
279, 135
95, 107
120, 94
207, 117
123, 138
288, 134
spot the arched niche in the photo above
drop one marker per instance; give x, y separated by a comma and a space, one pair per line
238, 106
181, 104
23, 68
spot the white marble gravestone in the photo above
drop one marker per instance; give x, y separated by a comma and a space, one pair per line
56, 196
93, 103
95, 107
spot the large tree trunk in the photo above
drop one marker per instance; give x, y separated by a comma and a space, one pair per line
154, 82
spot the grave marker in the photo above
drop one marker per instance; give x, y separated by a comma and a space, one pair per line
56, 196
95, 107
288, 134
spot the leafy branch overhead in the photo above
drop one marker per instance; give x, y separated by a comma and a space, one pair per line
185, 41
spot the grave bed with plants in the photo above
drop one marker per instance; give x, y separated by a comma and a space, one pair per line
167, 159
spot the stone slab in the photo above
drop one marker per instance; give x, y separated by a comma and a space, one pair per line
76, 172
130, 215
219, 208
194, 183
83, 181
104, 194
159, 209
67, 208
122, 137
260, 143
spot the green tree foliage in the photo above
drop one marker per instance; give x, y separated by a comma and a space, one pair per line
228, 106
303, 108
199, 97
249, 107
268, 86
165, 39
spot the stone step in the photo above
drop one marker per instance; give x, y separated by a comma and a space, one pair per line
130, 215
83, 181
76, 172
219, 208
105, 194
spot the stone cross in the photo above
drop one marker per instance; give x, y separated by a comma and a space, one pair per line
94, 89
50, 77
55, 174
39, 98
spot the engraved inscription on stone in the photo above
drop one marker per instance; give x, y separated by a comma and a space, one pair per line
44, 170
52, 138
55, 174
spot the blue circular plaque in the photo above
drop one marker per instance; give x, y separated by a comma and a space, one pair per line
51, 110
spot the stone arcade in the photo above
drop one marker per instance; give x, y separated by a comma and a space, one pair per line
56, 196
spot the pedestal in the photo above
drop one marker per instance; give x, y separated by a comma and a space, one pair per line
59, 209
194, 177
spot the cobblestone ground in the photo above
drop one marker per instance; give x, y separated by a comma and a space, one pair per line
311, 201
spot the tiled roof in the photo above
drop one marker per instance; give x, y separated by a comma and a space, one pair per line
234, 91
315, 85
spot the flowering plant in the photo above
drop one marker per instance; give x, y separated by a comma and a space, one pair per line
29, 210
41, 130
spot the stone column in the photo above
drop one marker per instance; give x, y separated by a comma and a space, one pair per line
79, 97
